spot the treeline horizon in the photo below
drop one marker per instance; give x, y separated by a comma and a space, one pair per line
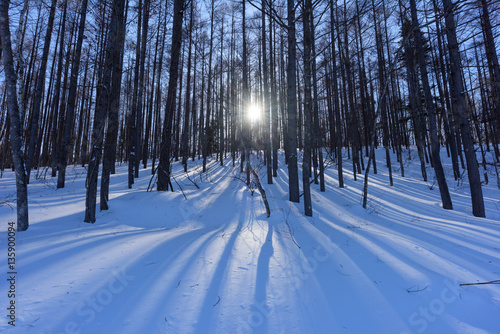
100, 82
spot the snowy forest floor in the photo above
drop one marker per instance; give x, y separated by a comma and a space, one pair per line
156, 262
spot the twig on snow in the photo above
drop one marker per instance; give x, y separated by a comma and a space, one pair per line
482, 283
416, 290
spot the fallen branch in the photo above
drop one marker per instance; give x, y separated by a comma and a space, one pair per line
151, 181
290, 228
179, 187
482, 283
418, 289
262, 193
195, 184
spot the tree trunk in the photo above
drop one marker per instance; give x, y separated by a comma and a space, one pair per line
266, 100
308, 106
206, 126
16, 138
140, 100
164, 164
293, 171
109, 156
185, 132
338, 122
431, 110
39, 90
57, 92
68, 129
102, 101
132, 117
491, 55
458, 99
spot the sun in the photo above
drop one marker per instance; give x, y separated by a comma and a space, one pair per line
253, 112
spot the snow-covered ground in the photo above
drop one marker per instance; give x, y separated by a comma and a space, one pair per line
214, 263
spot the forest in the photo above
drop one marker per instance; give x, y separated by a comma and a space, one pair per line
151, 82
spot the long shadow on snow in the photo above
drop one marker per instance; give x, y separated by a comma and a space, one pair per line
134, 298
208, 307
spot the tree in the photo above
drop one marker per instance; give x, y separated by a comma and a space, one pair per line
16, 138
185, 133
266, 99
491, 55
68, 128
338, 123
165, 150
431, 110
104, 99
109, 155
458, 100
39, 91
136, 101
293, 171
308, 106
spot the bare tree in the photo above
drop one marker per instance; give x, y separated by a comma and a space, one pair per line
308, 105
431, 110
104, 99
16, 138
39, 91
70, 113
165, 150
458, 100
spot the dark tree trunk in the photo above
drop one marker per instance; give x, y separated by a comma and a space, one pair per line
338, 122
16, 139
149, 119
57, 92
164, 164
132, 117
103, 99
308, 107
140, 100
246, 100
383, 102
185, 132
68, 129
431, 110
293, 171
273, 105
318, 144
458, 99
39, 91
109, 156
221, 97
206, 126
491, 55
414, 96
266, 99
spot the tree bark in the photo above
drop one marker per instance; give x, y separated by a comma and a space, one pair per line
102, 102
458, 100
293, 171
39, 91
109, 156
336, 104
431, 110
185, 132
308, 106
16, 138
165, 150
491, 55
68, 129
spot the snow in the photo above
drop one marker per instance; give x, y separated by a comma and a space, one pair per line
213, 263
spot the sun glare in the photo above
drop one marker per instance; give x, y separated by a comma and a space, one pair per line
253, 112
